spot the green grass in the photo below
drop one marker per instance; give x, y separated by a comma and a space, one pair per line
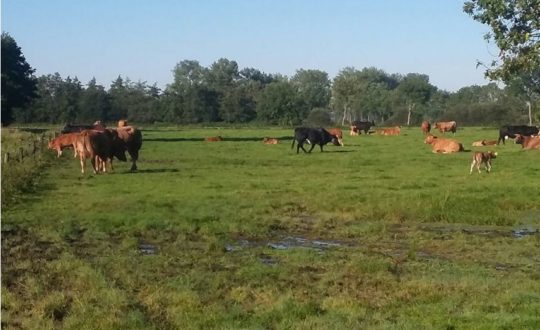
420, 242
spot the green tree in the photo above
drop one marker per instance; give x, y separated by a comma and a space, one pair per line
19, 85
515, 26
94, 103
279, 104
313, 87
414, 90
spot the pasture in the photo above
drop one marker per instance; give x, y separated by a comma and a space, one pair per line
380, 233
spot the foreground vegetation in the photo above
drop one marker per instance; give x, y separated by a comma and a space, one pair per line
237, 234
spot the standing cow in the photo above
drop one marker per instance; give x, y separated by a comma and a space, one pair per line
446, 126
426, 127
509, 131
358, 126
313, 136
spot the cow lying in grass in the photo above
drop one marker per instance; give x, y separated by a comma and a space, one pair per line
269, 140
445, 146
484, 143
480, 158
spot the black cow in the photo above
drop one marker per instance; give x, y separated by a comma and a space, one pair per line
313, 136
363, 125
511, 131
69, 128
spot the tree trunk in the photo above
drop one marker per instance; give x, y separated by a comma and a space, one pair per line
530, 113
411, 106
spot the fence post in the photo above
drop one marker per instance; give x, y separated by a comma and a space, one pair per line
6, 157
21, 154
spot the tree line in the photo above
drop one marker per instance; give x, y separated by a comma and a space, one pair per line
222, 92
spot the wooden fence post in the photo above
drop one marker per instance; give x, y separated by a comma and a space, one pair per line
6, 157
21, 154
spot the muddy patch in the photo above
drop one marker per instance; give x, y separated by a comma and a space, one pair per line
285, 243
523, 232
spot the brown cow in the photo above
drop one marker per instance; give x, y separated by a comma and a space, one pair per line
213, 138
480, 158
269, 140
528, 142
446, 126
64, 141
440, 145
426, 127
338, 133
95, 145
131, 141
390, 131
354, 131
484, 143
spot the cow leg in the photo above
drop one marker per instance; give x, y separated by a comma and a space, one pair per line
310, 149
488, 166
321, 147
472, 166
94, 160
83, 161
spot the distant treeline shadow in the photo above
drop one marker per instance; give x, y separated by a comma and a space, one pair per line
225, 139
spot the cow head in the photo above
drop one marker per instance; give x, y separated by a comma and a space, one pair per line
429, 139
518, 139
337, 141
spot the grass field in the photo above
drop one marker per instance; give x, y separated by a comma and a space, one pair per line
380, 233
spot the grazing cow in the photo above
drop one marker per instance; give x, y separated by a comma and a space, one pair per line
479, 158
64, 141
446, 126
509, 131
528, 142
131, 141
268, 140
445, 146
338, 133
213, 139
313, 136
484, 143
358, 126
426, 127
390, 131
95, 145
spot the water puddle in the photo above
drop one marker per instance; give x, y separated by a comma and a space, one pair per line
522, 232
291, 242
147, 249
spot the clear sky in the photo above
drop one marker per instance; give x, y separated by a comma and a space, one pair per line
145, 39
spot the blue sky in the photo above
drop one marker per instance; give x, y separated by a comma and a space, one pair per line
145, 39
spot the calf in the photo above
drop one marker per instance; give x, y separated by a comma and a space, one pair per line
446, 126
484, 143
338, 133
509, 131
439, 145
64, 141
313, 136
479, 158
528, 142
268, 140
426, 127
362, 126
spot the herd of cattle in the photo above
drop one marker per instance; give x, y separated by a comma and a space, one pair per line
101, 144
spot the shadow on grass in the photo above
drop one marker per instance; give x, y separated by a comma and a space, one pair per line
152, 170
225, 139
